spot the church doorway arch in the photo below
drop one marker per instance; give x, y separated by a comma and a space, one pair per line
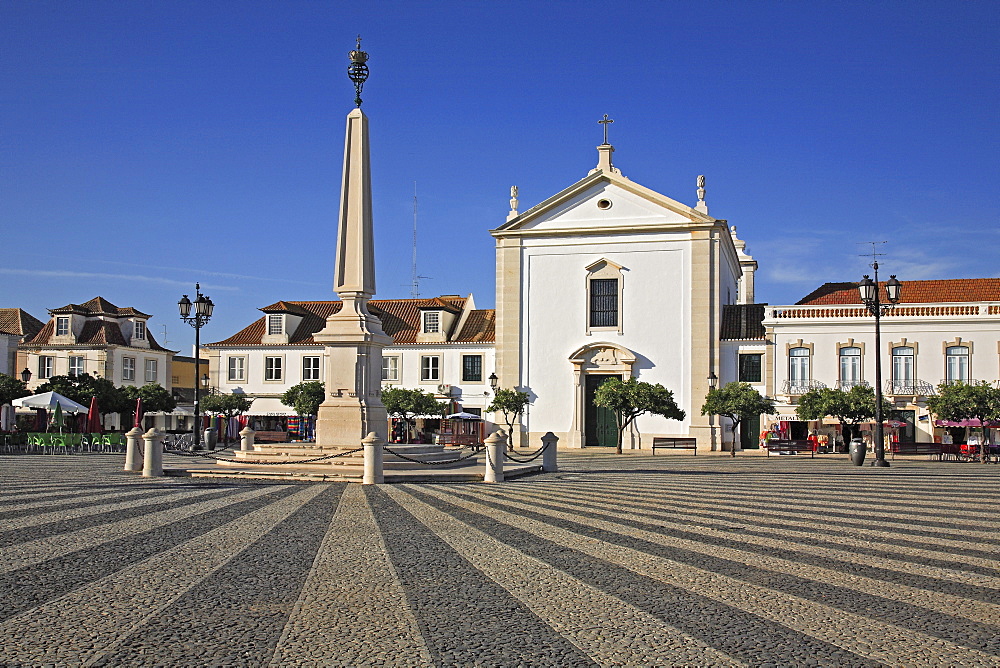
593, 364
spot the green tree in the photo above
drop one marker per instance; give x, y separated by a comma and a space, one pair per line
83, 387
631, 398
850, 407
305, 398
961, 401
12, 388
154, 397
738, 402
512, 404
408, 404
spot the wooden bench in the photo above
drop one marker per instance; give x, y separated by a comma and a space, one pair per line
905, 448
790, 446
671, 443
270, 437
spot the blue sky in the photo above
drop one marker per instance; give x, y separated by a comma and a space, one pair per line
148, 145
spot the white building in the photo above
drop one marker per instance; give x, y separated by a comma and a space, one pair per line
442, 345
16, 327
942, 331
609, 278
98, 338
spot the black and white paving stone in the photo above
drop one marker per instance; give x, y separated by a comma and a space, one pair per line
614, 561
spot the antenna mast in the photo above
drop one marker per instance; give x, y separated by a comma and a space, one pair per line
414, 279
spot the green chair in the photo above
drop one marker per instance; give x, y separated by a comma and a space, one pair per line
115, 442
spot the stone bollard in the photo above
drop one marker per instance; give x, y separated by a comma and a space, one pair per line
496, 447
152, 461
373, 459
549, 442
246, 439
133, 458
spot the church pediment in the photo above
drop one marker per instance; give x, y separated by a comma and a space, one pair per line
605, 202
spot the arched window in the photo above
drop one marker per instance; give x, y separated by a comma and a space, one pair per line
903, 372
798, 370
850, 367
957, 364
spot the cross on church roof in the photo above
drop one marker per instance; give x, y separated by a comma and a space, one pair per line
605, 124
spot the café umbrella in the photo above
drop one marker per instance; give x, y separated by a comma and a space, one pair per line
94, 418
57, 417
138, 413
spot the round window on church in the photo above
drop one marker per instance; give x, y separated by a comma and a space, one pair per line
603, 204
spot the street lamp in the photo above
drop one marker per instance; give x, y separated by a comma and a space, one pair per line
203, 307
869, 292
494, 382
713, 382
26, 375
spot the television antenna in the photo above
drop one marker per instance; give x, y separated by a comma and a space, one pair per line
414, 276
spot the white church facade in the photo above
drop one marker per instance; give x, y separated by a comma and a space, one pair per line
610, 278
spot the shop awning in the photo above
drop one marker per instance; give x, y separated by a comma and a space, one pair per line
966, 423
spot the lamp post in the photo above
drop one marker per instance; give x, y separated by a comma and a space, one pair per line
870, 297
26, 375
713, 382
203, 307
494, 382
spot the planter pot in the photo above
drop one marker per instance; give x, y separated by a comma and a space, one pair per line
858, 450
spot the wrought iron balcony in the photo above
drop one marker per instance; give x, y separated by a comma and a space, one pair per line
846, 385
956, 381
909, 388
795, 387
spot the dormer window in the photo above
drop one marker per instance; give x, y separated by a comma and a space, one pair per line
62, 325
432, 322
275, 324
139, 330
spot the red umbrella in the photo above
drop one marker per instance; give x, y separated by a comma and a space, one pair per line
93, 418
138, 413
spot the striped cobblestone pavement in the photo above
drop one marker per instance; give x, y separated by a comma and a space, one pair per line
614, 561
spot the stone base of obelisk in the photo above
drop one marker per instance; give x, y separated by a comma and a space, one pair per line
353, 406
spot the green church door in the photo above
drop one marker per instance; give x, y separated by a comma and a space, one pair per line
599, 423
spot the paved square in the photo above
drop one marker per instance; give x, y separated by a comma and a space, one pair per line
616, 560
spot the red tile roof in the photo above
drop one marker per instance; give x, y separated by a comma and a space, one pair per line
18, 322
400, 320
913, 292
100, 306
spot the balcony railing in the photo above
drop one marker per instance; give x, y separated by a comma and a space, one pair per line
795, 387
909, 388
958, 381
846, 385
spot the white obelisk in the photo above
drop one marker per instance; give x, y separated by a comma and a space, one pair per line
353, 337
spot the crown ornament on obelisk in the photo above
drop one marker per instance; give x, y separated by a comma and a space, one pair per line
357, 71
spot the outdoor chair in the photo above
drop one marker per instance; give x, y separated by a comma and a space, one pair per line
114, 442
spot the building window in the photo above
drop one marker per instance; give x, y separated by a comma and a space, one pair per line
310, 368
902, 370
45, 366
430, 368
957, 366
275, 324
604, 302
390, 368
150, 371
750, 368
472, 368
128, 368
850, 367
272, 368
62, 325
432, 322
75, 366
237, 369
139, 330
798, 370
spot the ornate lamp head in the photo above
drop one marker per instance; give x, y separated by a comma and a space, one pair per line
357, 71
